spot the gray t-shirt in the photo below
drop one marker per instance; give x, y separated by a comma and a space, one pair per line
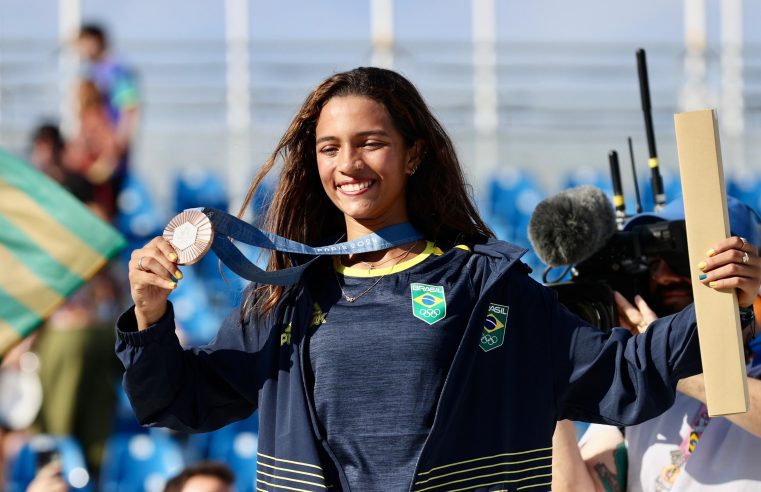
378, 364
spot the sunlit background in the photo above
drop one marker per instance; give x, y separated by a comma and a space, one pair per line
534, 93
544, 86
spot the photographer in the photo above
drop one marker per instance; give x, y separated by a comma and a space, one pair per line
684, 448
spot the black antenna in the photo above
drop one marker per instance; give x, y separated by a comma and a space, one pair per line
659, 196
634, 175
618, 193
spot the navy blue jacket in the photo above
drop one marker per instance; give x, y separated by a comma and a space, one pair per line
496, 414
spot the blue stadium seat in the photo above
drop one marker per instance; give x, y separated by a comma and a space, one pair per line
139, 462
124, 420
200, 188
745, 185
672, 186
138, 217
235, 444
192, 310
240, 455
261, 200
584, 175
513, 194
755, 347
74, 470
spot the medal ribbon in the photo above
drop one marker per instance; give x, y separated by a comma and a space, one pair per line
227, 227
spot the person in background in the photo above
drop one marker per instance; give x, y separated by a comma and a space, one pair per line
683, 449
205, 476
47, 155
49, 479
117, 83
77, 371
94, 152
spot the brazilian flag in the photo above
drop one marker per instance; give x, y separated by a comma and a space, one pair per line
50, 245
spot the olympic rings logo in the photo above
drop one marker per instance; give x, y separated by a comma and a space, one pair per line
489, 339
430, 313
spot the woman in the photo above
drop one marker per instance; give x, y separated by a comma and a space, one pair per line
434, 365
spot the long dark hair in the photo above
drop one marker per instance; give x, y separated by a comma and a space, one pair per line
438, 202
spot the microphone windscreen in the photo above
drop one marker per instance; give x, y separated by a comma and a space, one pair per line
571, 226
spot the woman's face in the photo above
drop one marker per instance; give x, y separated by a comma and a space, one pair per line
363, 161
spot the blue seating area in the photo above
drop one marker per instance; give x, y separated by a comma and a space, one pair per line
513, 194
23, 468
236, 445
140, 462
205, 295
137, 458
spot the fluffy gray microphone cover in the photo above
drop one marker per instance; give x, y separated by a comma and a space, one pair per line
571, 226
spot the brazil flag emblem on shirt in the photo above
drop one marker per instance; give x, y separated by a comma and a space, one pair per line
428, 302
493, 334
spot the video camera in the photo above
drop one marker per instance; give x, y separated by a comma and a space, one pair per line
623, 264
615, 259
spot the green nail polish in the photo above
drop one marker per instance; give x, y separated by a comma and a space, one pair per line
174, 279
703, 276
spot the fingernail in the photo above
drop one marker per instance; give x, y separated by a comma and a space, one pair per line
173, 257
174, 279
171, 285
178, 274
712, 283
702, 276
702, 265
710, 252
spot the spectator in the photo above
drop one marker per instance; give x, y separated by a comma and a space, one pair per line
118, 85
682, 449
49, 479
77, 371
47, 154
94, 151
206, 476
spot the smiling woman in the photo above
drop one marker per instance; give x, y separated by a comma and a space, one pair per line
437, 364
364, 163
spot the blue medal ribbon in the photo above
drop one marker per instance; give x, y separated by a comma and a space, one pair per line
227, 227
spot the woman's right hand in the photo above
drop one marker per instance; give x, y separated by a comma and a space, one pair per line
153, 275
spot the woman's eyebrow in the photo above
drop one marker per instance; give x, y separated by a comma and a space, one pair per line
368, 133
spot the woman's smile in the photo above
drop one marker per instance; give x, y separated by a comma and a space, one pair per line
355, 187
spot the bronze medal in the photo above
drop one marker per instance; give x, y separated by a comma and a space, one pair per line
190, 233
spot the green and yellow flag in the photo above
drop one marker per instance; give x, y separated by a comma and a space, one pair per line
50, 244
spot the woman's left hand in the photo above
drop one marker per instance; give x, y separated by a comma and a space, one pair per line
733, 264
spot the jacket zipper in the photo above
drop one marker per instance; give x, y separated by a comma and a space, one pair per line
312, 411
477, 308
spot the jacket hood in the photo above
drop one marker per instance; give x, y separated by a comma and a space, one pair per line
496, 248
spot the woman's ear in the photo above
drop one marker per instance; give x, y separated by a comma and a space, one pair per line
415, 157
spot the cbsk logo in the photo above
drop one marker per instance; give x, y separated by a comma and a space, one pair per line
428, 302
493, 334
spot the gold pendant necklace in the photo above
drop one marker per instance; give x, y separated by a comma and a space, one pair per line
351, 299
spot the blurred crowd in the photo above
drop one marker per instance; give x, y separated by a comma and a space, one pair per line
64, 414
